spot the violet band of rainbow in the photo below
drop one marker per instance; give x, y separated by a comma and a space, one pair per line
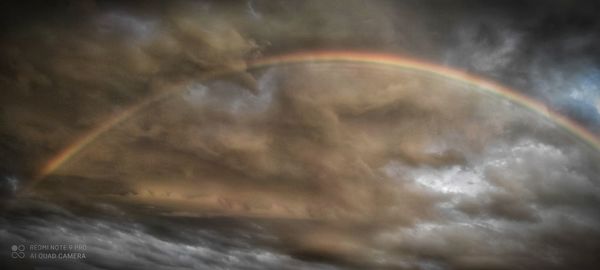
334, 56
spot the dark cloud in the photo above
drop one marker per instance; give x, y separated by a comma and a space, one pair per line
371, 156
313, 165
118, 243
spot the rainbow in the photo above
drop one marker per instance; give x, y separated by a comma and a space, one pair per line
334, 56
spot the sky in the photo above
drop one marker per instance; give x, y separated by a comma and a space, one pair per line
145, 132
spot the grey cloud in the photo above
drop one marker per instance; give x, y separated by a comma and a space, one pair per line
548, 54
488, 46
513, 212
120, 244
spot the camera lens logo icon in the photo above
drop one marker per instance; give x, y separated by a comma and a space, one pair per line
18, 251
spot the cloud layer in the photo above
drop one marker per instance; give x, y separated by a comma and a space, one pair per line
314, 165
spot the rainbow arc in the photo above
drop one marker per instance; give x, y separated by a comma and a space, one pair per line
401, 62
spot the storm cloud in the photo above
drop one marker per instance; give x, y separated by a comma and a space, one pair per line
305, 166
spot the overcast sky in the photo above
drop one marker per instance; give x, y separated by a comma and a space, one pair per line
308, 166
